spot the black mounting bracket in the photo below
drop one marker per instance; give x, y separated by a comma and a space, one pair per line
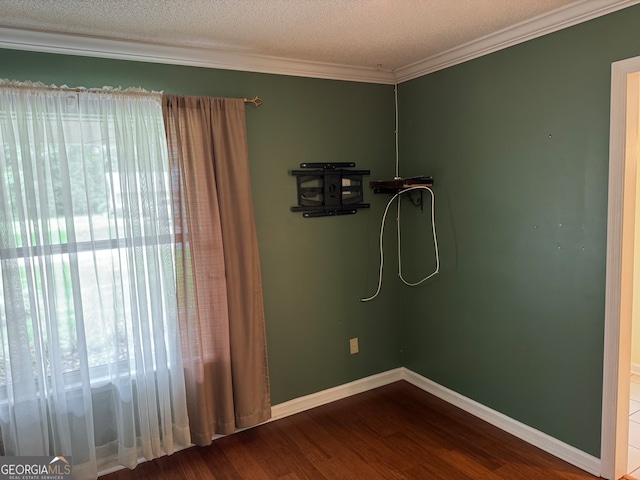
398, 184
326, 189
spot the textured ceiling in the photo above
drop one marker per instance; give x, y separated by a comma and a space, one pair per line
383, 34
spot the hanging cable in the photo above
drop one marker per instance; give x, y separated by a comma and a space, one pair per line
395, 93
435, 241
384, 218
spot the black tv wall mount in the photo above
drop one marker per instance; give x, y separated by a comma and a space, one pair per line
326, 189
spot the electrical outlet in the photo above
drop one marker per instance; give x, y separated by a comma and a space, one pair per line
353, 345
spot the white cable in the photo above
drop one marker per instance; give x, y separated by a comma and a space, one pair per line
384, 217
435, 241
395, 93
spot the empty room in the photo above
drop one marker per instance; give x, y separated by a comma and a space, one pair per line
275, 239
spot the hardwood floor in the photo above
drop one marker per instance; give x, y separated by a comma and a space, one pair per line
393, 432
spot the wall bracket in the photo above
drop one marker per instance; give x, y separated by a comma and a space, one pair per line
329, 189
398, 184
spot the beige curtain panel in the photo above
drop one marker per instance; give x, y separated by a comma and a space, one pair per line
219, 286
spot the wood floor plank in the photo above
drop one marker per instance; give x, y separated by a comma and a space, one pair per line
470, 467
301, 431
338, 468
242, 459
278, 454
192, 463
391, 433
218, 465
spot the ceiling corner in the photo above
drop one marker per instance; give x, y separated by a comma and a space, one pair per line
559, 19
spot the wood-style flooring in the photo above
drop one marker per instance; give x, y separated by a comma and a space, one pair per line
393, 432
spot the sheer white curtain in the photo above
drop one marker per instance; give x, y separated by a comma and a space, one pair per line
90, 361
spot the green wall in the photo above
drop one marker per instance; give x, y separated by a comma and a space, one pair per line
517, 142
313, 270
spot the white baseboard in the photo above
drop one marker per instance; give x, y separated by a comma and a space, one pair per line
530, 435
635, 368
307, 402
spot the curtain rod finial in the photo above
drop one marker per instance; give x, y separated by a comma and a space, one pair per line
255, 101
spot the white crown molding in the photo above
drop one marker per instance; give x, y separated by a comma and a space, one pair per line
578, 12
18, 39
558, 19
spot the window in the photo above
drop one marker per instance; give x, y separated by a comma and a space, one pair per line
87, 287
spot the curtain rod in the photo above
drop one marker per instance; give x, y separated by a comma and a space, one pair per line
255, 101
29, 85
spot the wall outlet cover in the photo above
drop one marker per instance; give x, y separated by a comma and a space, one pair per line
353, 345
